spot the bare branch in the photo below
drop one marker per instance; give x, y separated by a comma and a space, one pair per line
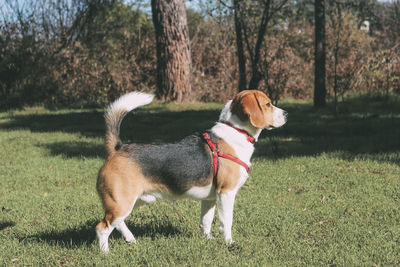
225, 4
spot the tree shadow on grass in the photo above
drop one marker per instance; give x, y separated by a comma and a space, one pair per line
6, 224
84, 235
141, 126
151, 125
76, 149
364, 128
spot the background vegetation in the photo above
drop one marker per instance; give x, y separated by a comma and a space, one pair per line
85, 53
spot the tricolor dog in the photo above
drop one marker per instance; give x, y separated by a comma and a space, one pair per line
210, 167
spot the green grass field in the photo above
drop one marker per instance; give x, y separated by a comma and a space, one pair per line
322, 190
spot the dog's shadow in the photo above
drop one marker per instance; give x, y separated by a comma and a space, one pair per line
6, 224
84, 235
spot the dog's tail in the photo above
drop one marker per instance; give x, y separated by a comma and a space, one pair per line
117, 111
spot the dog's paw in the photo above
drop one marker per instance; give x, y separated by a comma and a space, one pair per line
208, 236
229, 241
131, 240
128, 236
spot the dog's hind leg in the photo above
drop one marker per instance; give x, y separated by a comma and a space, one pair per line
126, 233
103, 231
120, 225
111, 221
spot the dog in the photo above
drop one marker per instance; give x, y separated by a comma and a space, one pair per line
210, 167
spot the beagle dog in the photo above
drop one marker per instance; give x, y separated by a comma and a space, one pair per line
210, 167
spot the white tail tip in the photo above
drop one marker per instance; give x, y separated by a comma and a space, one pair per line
131, 101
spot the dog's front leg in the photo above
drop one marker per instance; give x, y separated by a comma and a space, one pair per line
225, 203
207, 216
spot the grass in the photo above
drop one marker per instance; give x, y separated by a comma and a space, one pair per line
323, 190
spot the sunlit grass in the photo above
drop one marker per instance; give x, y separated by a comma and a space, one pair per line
323, 190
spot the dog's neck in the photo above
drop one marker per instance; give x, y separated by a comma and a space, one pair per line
249, 137
238, 141
244, 126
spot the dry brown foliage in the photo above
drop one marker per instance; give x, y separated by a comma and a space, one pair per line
118, 55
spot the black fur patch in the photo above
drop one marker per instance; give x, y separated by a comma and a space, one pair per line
118, 145
179, 166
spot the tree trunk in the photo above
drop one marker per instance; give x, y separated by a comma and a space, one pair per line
320, 54
256, 75
240, 47
173, 50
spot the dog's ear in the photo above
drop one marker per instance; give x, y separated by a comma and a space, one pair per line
247, 107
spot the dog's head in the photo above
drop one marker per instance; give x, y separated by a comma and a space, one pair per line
253, 107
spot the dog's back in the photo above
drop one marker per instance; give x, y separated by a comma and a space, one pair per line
178, 166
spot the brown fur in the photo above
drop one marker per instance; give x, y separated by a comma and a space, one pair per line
228, 171
251, 105
112, 133
119, 183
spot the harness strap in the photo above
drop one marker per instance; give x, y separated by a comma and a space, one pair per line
250, 138
216, 154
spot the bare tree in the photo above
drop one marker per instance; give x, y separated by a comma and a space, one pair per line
244, 11
173, 50
320, 54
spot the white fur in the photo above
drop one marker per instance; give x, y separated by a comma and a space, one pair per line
238, 141
130, 101
148, 198
278, 117
102, 236
226, 112
128, 236
196, 192
120, 225
244, 150
205, 192
207, 215
225, 203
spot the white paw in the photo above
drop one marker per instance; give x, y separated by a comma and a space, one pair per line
229, 240
209, 236
104, 247
130, 240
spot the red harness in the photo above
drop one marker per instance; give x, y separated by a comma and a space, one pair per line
216, 154
249, 137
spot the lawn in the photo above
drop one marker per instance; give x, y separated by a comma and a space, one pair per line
323, 190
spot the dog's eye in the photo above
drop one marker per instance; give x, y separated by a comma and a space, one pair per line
268, 105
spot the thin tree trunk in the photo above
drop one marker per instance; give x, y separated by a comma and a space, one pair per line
320, 54
173, 50
338, 28
240, 49
257, 76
